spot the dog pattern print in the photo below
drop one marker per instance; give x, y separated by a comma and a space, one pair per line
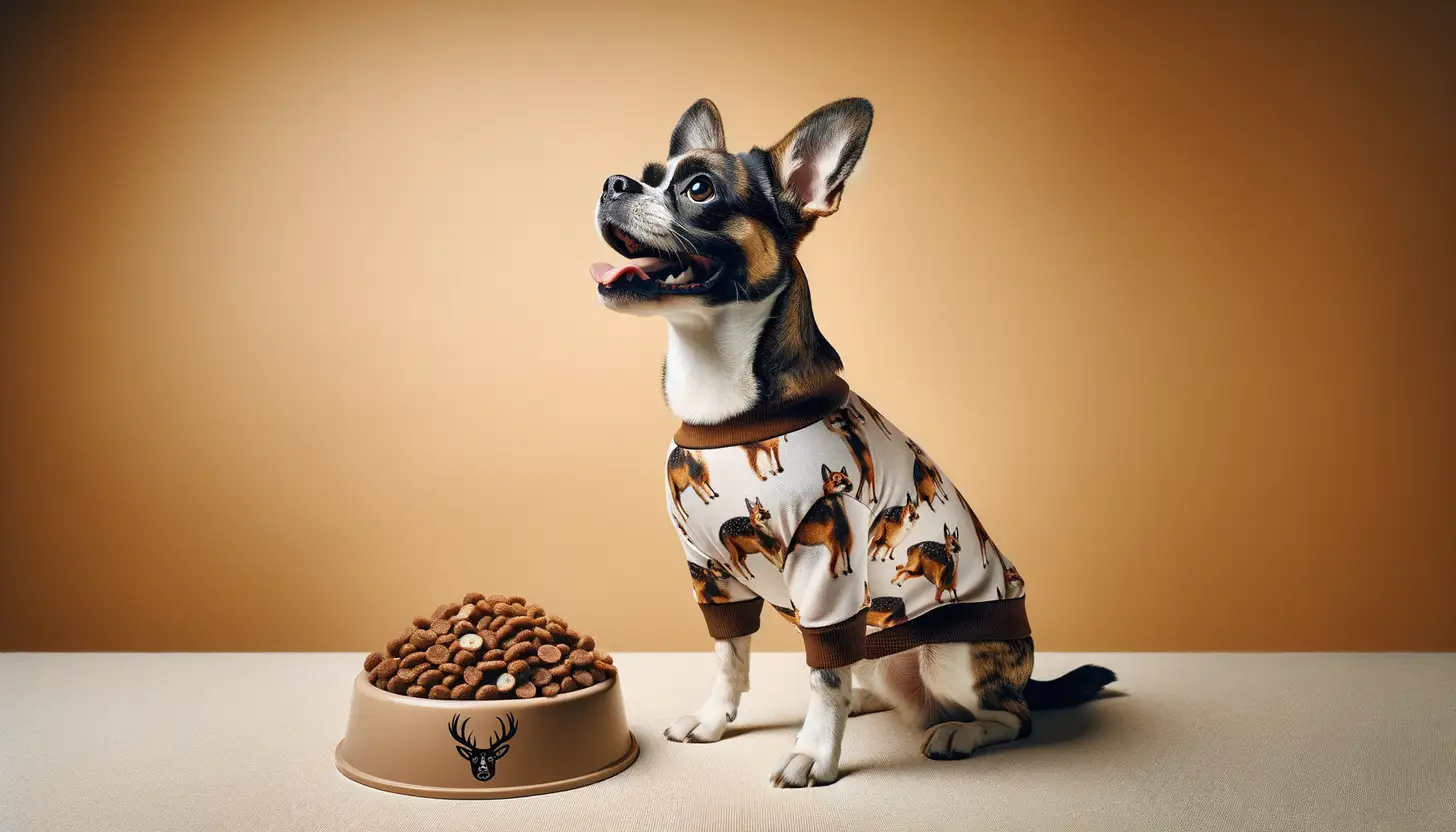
830, 520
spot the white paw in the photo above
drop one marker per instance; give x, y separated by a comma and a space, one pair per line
699, 727
953, 740
799, 771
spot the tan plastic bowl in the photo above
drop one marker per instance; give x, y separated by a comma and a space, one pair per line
406, 745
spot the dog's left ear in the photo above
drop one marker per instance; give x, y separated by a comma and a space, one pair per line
700, 128
817, 156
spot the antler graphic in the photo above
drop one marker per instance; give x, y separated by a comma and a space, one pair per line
457, 730
495, 741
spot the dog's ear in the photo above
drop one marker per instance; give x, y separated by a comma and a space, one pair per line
748, 505
824, 472
817, 156
700, 128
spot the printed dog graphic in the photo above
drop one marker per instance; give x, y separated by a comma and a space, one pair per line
929, 482
685, 470
886, 611
935, 561
709, 582
890, 527
827, 524
843, 423
743, 535
769, 448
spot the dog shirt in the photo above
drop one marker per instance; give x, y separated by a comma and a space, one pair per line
844, 525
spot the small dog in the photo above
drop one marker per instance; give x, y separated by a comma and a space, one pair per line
711, 241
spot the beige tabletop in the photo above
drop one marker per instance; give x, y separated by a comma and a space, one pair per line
155, 742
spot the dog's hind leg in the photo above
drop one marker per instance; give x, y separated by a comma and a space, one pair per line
985, 679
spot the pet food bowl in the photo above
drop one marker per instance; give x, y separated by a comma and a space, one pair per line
484, 749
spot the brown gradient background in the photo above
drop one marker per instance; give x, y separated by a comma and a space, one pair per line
298, 339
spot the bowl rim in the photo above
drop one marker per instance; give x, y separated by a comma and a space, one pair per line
362, 681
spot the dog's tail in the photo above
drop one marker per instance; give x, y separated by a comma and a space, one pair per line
1074, 688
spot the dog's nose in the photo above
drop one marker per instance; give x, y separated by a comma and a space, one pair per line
616, 186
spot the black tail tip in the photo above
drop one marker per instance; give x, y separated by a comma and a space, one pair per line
1074, 688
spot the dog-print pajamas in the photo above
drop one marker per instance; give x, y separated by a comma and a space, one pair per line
844, 525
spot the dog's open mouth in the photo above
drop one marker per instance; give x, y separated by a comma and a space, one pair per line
652, 272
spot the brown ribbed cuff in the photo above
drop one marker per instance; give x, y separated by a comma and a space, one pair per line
984, 621
765, 421
739, 618
836, 645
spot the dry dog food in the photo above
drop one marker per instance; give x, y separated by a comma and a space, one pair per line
488, 647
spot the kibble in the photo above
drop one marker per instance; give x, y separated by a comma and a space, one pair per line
485, 648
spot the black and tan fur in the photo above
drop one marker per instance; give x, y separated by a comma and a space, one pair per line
742, 536
875, 414
768, 448
761, 204
890, 527
843, 424
936, 562
827, 524
686, 469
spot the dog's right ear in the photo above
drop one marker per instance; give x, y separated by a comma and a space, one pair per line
824, 472
817, 156
700, 128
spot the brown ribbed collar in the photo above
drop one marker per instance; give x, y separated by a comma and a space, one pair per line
765, 421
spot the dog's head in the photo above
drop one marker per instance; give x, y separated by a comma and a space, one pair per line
709, 228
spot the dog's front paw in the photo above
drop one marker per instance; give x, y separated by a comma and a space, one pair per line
699, 728
800, 771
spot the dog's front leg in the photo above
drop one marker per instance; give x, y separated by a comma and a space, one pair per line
708, 722
815, 758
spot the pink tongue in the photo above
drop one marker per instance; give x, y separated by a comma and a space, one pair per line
606, 273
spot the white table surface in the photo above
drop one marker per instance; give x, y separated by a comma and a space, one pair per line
156, 742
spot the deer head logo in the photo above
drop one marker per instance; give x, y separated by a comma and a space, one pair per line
483, 760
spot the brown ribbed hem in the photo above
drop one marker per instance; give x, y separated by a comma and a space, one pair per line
739, 618
983, 621
837, 645
765, 421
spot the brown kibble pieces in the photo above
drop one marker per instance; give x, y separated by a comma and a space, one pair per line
487, 647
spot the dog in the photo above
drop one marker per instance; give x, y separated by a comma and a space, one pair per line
890, 527
711, 242
742, 535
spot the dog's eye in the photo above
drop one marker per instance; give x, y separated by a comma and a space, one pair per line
700, 189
